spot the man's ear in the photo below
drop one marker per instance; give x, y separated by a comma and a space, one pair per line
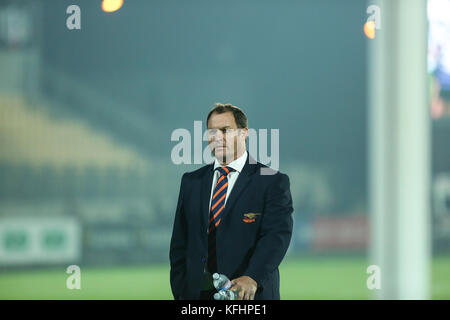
244, 131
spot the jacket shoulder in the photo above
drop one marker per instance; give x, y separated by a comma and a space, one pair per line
198, 173
264, 170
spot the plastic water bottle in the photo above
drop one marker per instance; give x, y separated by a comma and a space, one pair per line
221, 282
226, 295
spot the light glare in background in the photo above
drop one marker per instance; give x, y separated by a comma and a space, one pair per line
111, 5
369, 29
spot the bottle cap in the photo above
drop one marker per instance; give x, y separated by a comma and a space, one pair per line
216, 276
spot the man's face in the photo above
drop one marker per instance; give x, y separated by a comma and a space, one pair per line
226, 141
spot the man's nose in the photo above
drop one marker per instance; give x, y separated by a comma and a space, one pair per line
219, 141
219, 136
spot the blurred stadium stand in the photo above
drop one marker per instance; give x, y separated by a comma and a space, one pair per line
52, 166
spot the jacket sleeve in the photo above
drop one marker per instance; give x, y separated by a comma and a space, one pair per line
276, 231
177, 252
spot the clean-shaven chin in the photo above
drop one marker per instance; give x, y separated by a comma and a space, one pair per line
220, 154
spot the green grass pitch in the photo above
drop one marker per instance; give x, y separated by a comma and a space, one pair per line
301, 278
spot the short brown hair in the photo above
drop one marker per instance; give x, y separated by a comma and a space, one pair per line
239, 116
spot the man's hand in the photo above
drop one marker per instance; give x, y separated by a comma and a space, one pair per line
246, 287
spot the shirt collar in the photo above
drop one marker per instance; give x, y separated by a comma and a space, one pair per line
237, 164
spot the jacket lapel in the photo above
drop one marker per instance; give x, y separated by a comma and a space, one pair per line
206, 194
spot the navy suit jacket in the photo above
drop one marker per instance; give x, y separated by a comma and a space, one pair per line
254, 249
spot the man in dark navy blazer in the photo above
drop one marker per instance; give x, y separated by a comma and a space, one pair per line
234, 217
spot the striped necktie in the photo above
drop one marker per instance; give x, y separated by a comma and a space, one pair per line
217, 206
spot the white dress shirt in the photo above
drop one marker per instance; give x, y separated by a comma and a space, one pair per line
237, 165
